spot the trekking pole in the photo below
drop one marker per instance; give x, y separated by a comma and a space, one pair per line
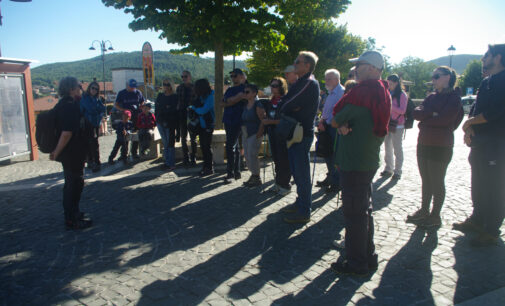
264, 162
314, 167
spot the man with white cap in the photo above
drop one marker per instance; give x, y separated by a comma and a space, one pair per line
290, 75
361, 117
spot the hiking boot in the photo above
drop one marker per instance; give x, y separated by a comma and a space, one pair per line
431, 222
386, 173
297, 218
343, 267
283, 191
418, 216
228, 177
237, 176
467, 226
396, 176
484, 239
291, 208
339, 244
332, 188
274, 188
253, 181
323, 183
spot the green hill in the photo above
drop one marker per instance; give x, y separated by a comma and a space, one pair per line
165, 65
459, 61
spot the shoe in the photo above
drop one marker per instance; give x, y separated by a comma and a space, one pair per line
135, 156
253, 181
332, 188
146, 152
125, 161
111, 161
484, 239
417, 216
467, 226
396, 176
185, 163
237, 176
323, 183
228, 177
192, 163
283, 191
431, 222
274, 188
78, 225
339, 244
291, 208
343, 267
96, 168
386, 173
205, 172
296, 218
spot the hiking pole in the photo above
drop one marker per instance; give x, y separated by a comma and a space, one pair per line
264, 162
314, 167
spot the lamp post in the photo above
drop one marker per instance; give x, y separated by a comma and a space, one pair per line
103, 49
451, 53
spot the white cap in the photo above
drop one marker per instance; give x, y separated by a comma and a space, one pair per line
373, 58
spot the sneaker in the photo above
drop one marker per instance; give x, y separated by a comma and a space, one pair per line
386, 173
339, 244
253, 181
396, 176
467, 226
431, 222
417, 216
291, 208
484, 239
283, 191
343, 267
323, 183
332, 189
297, 218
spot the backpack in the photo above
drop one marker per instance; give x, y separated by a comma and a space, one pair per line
409, 118
46, 132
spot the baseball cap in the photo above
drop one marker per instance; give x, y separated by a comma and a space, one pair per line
128, 113
373, 58
132, 83
289, 68
237, 71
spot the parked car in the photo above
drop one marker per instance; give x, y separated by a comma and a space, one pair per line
467, 102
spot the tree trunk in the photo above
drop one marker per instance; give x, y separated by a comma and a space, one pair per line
219, 84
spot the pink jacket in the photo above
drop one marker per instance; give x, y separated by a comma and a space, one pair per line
398, 111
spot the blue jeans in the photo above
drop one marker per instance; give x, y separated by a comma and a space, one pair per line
168, 139
299, 162
232, 148
333, 175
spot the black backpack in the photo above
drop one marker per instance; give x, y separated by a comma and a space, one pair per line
46, 132
409, 118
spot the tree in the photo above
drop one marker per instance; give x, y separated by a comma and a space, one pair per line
415, 70
472, 76
332, 44
224, 26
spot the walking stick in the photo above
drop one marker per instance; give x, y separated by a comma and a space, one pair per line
314, 167
264, 161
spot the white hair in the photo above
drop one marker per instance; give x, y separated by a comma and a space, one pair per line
333, 72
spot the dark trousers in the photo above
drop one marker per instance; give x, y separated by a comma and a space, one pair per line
144, 139
333, 175
205, 142
183, 127
73, 172
135, 144
488, 192
357, 207
232, 148
433, 162
281, 161
122, 143
94, 149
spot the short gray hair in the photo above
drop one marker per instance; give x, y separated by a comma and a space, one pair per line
333, 72
311, 58
66, 85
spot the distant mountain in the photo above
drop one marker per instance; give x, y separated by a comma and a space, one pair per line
459, 61
165, 65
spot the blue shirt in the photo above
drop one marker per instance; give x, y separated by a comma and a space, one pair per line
207, 112
130, 100
93, 109
333, 97
232, 115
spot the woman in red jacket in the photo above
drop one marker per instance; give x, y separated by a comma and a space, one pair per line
439, 115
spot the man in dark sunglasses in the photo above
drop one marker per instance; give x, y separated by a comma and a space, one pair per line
485, 134
185, 97
233, 102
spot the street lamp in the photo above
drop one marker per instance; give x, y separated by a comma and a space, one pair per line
451, 53
103, 49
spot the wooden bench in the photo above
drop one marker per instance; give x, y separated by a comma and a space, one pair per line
156, 144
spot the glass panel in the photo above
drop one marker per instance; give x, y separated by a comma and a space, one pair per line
13, 119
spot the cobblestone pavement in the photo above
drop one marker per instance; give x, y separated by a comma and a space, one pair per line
173, 238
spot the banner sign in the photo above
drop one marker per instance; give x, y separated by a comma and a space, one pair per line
147, 64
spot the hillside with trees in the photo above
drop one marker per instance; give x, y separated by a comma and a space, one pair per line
459, 61
166, 65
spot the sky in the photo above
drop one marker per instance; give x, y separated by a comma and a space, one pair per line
51, 31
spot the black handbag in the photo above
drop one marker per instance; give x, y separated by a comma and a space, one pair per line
284, 130
324, 145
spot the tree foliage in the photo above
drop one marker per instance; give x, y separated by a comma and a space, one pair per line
224, 26
472, 76
418, 71
332, 44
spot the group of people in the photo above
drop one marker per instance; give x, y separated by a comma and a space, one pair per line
358, 118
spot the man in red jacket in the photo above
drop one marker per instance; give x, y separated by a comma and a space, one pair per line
361, 117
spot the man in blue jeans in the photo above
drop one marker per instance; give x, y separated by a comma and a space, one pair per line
233, 103
300, 103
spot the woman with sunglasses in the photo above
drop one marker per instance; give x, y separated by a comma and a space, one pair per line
166, 114
439, 115
93, 109
279, 88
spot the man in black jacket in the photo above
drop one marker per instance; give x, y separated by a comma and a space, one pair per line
185, 97
301, 103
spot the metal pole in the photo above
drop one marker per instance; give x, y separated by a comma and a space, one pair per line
103, 67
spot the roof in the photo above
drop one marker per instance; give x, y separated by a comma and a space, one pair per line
44, 103
108, 86
16, 60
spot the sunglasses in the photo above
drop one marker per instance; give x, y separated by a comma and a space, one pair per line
437, 76
94, 88
275, 85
